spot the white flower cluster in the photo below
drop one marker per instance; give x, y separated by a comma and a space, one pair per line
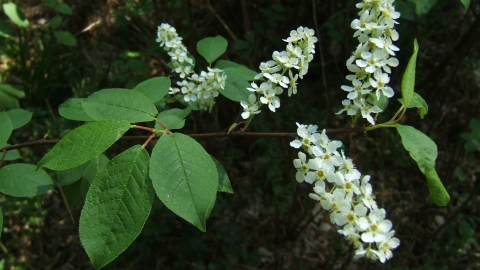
299, 53
201, 88
349, 199
371, 61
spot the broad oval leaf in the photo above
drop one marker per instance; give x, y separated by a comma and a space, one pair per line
24, 180
5, 128
120, 104
436, 189
117, 205
185, 178
224, 184
12, 154
83, 143
64, 8
173, 118
154, 88
420, 147
19, 117
55, 22
15, 14
66, 38
408, 80
72, 109
212, 47
235, 87
240, 70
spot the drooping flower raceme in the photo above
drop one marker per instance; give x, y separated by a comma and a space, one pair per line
278, 72
340, 189
201, 88
371, 61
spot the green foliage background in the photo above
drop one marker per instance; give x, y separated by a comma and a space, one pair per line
269, 222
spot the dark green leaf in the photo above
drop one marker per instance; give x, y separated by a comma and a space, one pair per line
19, 117
117, 205
12, 154
235, 87
7, 88
55, 22
91, 171
83, 143
5, 128
5, 30
24, 180
70, 176
154, 88
72, 109
224, 184
64, 8
66, 38
73, 193
7, 101
212, 47
184, 177
120, 104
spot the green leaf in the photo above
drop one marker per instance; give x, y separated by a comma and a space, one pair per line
422, 7
382, 103
66, 38
5, 128
120, 104
5, 30
466, 4
7, 88
70, 176
64, 8
408, 80
417, 102
55, 22
73, 193
154, 88
7, 101
72, 109
420, 147
12, 154
83, 143
436, 189
184, 177
19, 117
172, 119
117, 206
1, 221
235, 87
51, 3
24, 180
15, 14
212, 47
224, 184
472, 139
91, 171
238, 69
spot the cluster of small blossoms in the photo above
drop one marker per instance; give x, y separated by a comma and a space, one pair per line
201, 88
298, 54
371, 61
340, 189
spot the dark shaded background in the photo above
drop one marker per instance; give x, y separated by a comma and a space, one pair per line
269, 223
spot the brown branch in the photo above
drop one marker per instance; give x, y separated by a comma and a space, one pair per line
202, 135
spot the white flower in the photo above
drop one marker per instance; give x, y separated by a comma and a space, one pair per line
270, 99
381, 84
249, 108
190, 92
385, 247
302, 167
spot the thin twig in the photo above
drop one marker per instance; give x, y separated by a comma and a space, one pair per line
221, 21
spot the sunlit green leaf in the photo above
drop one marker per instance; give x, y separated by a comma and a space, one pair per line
408, 81
24, 180
417, 102
83, 143
15, 14
185, 178
212, 47
436, 189
117, 205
